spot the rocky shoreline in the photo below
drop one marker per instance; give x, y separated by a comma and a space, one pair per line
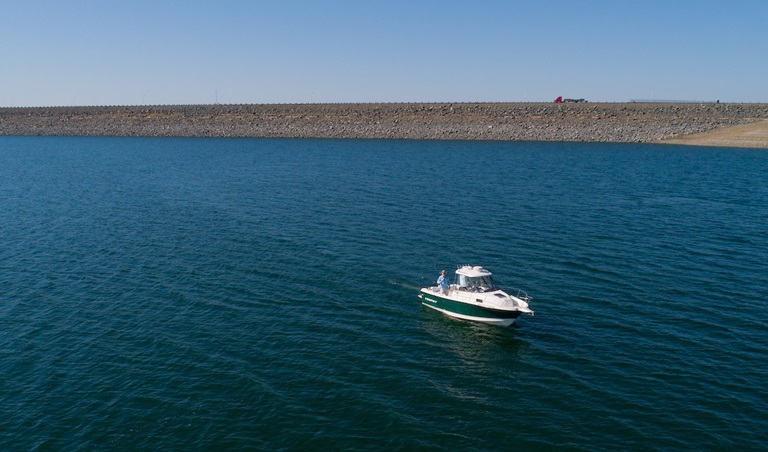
586, 122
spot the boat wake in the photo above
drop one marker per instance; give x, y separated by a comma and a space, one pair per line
404, 285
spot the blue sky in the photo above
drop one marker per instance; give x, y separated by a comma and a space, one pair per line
137, 52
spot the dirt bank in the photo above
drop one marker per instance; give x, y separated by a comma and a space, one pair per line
598, 122
751, 135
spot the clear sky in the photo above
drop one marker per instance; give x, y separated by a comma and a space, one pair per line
140, 52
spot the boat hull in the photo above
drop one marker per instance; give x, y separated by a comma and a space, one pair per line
466, 311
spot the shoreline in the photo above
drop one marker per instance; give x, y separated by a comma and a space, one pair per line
683, 123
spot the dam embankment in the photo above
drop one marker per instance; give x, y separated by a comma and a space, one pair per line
587, 122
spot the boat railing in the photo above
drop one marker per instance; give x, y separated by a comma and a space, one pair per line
520, 293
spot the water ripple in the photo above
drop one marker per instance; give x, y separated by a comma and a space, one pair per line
195, 294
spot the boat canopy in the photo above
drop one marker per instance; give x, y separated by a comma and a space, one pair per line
472, 272
475, 278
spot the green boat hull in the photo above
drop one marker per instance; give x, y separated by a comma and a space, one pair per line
468, 311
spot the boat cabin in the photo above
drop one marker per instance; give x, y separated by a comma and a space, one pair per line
474, 279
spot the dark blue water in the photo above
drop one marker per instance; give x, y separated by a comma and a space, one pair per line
176, 294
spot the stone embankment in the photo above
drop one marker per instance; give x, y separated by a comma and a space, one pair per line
593, 122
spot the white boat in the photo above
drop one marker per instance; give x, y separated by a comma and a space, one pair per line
475, 296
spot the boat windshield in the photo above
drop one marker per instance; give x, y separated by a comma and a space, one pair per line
484, 283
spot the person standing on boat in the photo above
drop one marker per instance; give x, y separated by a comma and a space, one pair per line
442, 283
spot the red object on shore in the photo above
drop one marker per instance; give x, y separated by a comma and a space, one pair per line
559, 100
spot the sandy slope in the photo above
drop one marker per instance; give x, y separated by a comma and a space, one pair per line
753, 135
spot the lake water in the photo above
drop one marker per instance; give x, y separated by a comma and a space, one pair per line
181, 294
